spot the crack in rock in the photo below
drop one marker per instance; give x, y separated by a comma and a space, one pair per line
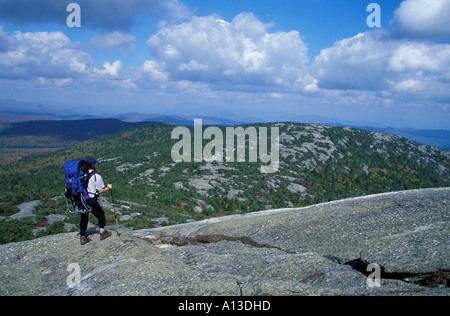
439, 278
208, 239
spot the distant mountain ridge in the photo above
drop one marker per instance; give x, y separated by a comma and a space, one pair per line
13, 112
437, 138
79, 130
23, 139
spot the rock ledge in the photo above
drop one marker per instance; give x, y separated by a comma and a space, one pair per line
317, 250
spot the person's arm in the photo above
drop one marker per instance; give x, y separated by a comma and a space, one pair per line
108, 187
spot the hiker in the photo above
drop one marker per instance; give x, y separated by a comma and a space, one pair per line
95, 187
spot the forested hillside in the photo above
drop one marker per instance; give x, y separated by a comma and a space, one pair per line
24, 139
317, 164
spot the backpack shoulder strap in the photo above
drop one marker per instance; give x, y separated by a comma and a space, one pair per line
89, 176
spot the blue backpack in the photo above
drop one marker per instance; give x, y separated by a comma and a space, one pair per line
77, 179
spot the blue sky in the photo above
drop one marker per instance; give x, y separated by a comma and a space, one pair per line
245, 60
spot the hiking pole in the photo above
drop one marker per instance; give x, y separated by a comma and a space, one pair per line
115, 214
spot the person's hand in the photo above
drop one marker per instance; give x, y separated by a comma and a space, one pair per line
109, 186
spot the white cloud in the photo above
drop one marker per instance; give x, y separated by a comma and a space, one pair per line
51, 59
192, 66
375, 61
356, 63
110, 70
312, 87
42, 54
241, 52
423, 18
409, 85
417, 56
401, 61
248, 25
152, 71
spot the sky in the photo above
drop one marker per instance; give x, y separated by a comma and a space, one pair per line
245, 60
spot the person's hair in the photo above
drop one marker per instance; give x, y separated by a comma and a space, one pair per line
93, 168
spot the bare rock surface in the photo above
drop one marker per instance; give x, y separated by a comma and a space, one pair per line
317, 250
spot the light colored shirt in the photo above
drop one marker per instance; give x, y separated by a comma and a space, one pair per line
95, 185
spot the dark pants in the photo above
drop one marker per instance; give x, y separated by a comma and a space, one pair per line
97, 211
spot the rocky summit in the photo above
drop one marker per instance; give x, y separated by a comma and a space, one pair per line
325, 249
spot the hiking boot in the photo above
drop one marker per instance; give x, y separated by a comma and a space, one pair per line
105, 235
84, 240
